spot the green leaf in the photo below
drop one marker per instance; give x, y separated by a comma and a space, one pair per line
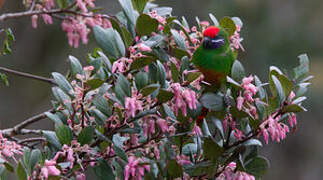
214, 20
94, 83
124, 86
233, 82
257, 166
124, 33
211, 149
180, 40
141, 80
120, 153
76, 66
100, 118
52, 139
9, 167
86, 135
228, 24
146, 25
303, 67
237, 21
21, 172
139, 5
64, 134
174, 72
62, 82
174, 169
180, 53
292, 108
237, 71
4, 79
10, 34
279, 88
55, 118
129, 13
149, 89
252, 142
286, 84
26, 158
164, 96
161, 74
62, 3
261, 91
35, 157
108, 39
193, 76
212, 101
104, 171
102, 104
142, 62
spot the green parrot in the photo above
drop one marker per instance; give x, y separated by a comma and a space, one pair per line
214, 57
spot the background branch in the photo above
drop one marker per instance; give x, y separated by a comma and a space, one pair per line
27, 75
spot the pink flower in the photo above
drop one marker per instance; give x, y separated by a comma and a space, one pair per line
183, 160
81, 5
135, 169
236, 40
132, 105
50, 169
240, 101
229, 173
49, 4
80, 176
292, 119
162, 123
275, 129
205, 23
189, 97
196, 130
143, 47
291, 96
34, 19
119, 65
182, 98
47, 19
238, 134
8, 149
148, 126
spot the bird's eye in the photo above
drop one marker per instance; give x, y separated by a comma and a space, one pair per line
213, 43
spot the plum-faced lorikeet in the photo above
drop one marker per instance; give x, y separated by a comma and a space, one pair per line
214, 57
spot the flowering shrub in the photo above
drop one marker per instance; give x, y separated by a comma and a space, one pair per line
140, 109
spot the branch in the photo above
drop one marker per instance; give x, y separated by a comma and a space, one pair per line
19, 128
6, 16
27, 75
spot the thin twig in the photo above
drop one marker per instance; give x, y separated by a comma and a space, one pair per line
19, 128
27, 75
33, 139
6, 16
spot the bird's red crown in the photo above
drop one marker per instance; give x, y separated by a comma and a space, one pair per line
211, 31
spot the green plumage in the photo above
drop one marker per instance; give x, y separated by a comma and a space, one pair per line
215, 64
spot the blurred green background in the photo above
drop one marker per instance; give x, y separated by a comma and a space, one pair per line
275, 32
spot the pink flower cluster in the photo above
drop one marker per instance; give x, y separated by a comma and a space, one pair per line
249, 90
271, 126
135, 168
133, 105
70, 155
8, 149
229, 173
76, 26
236, 39
183, 98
